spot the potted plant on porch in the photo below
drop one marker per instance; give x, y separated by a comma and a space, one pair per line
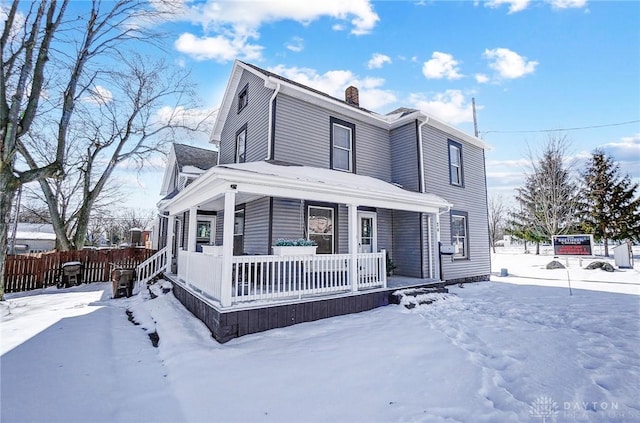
294, 247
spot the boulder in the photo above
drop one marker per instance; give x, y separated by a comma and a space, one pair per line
595, 265
555, 264
608, 267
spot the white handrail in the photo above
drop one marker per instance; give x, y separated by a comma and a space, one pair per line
153, 266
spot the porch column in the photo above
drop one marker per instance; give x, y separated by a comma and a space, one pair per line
227, 246
193, 224
353, 245
437, 245
171, 226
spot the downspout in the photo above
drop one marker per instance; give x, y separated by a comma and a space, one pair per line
270, 128
421, 156
422, 190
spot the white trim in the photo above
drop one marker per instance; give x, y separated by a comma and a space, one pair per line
304, 183
269, 128
374, 230
333, 225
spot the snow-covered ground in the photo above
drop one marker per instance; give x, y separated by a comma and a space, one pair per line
517, 349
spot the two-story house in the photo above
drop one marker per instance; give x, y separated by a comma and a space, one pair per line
369, 189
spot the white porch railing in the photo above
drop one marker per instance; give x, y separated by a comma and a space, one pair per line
203, 272
153, 266
264, 278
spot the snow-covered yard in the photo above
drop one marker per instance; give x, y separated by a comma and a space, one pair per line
517, 349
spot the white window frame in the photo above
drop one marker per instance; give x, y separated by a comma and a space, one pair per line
333, 225
457, 240
455, 155
238, 156
212, 224
349, 150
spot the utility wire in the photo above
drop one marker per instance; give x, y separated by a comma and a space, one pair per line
560, 129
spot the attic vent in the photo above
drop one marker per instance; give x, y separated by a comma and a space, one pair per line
351, 96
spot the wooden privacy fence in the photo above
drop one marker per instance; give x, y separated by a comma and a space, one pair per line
26, 272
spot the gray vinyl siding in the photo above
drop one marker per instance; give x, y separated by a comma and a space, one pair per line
219, 227
343, 225
256, 227
470, 198
404, 157
428, 237
302, 136
385, 230
288, 219
255, 115
406, 243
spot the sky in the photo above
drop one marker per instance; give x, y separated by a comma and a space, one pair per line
535, 68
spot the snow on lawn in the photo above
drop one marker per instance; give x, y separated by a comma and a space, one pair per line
488, 352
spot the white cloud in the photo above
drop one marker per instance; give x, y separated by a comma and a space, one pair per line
520, 5
481, 78
451, 106
229, 25
509, 64
99, 95
244, 17
296, 44
567, 4
334, 82
378, 60
200, 120
441, 65
514, 5
219, 48
627, 152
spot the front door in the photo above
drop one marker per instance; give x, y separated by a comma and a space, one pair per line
367, 243
367, 236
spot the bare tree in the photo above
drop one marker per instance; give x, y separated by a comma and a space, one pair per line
497, 217
50, 63
120, 124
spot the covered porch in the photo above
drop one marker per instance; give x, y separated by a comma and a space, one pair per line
229, 281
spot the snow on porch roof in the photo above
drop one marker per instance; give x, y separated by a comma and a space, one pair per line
295, 181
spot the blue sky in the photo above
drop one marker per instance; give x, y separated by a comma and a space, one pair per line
530, 65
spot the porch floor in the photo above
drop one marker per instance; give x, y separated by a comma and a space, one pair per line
402, 282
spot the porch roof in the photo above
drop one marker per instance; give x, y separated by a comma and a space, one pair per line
270, 178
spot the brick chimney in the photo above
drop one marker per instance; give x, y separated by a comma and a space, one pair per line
351, 96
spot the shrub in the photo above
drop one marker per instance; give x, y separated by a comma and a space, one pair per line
301, 242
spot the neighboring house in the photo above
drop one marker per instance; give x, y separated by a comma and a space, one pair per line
297, 163
32, 238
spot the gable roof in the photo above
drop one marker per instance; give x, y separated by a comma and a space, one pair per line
185, 158
187, 155
283, 85
305, 87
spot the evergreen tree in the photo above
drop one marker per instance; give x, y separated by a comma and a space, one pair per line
611, 207
549, 198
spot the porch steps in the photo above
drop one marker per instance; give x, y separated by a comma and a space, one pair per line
412, 297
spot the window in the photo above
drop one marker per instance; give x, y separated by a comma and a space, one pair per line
459, 234
455, 164
342, 145
243, 98
320, 228
238, 233
205, 230
241, 145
